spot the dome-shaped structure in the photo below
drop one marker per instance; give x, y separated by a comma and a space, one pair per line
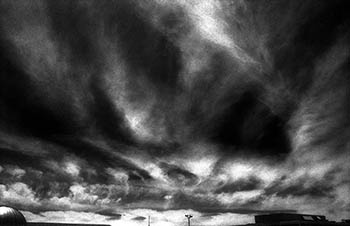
11, 217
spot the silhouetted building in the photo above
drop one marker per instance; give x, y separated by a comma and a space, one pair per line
11, 217
292, 219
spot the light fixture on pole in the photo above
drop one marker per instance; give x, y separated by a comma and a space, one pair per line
188, 218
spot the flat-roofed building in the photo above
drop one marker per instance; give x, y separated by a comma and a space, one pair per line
292, 219
61, 224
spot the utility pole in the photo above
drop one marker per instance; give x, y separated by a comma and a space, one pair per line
149, 221
188, 219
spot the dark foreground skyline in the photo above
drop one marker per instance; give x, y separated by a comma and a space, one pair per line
111, 111
12, 217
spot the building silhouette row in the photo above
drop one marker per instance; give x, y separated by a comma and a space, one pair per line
12, 217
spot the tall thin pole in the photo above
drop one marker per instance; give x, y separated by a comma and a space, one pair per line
149, 221
188, 219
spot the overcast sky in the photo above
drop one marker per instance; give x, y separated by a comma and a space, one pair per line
113, 111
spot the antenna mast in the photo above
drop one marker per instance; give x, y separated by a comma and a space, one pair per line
188, 219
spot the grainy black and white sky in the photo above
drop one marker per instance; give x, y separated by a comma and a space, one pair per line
111, 111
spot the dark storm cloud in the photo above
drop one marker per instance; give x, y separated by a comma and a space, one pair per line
9, 156
249, 124
110, 213
316, 190
55, 115
179, 175
23, 108
140, 218
97, 156
211, 206
316, 33
304, 187
145, 47
216, 106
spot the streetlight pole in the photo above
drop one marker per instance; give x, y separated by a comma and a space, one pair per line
188, 218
